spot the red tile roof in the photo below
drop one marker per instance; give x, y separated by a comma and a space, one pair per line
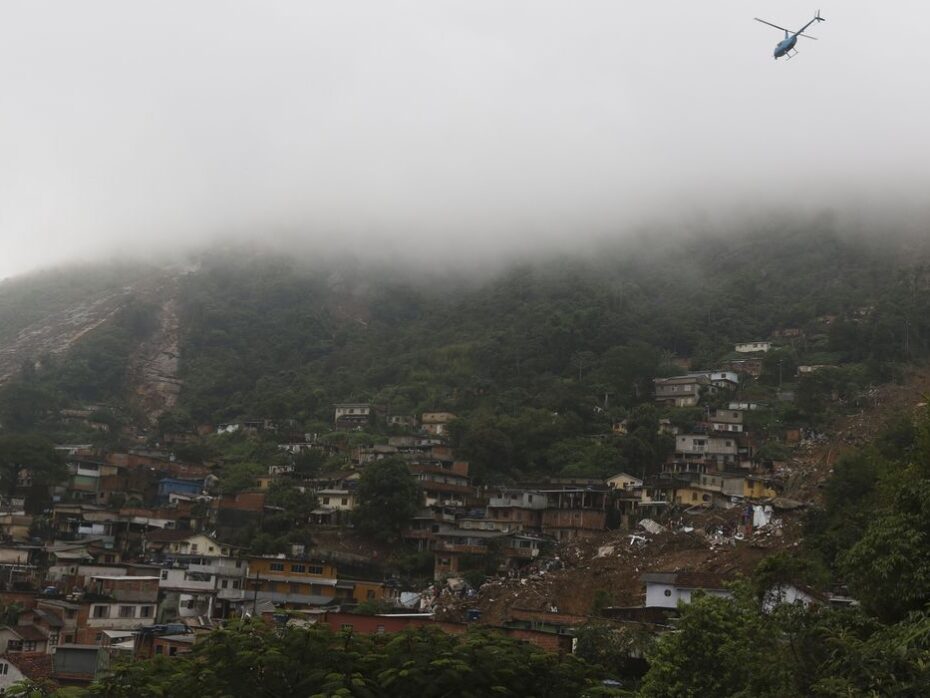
33, 665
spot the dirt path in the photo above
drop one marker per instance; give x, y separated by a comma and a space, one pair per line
154, 366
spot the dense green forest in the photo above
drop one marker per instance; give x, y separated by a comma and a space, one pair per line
534, 357
276, 338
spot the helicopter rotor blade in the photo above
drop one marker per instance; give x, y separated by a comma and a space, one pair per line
773, 25
807, 36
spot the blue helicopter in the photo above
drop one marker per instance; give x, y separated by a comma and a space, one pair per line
786, 45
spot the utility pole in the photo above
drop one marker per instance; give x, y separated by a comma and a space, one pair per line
255, 595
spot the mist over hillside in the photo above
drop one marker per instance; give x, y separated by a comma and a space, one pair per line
246, 330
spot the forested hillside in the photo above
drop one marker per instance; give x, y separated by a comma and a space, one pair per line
278, 338
530, 357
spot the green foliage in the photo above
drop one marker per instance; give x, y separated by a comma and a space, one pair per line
35, 454
388, 498
237, 477
788, 568
720, 647
888, 569
255, 660
271, 336
297, 506
615, 649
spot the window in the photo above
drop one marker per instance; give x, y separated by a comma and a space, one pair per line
69, 639
235, 584
127, 612
164, 574
98, 637
193, 547
4, 668
298, 568
158, 649
315, 569
668, 592
211, 549
345, 501
370, 595
70, 613
14, 646
224, 584
53, 638
172, 651
101, 612
276, 566
147, 611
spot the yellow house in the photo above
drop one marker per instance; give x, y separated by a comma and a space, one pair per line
755, 488
693, 496
298, 583
624, 481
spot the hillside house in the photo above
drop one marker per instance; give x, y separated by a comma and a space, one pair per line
23, 638
354, 415
752, 347
305, 583
697, 452
574, 512
443, 483
725, 420
624, 481
510, 511
681, 391
725, 380
334, 506
186, 543
750, 367
436, 423
667, 589
402, 421
172, 485
19, 666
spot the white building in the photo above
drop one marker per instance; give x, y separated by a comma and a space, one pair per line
752, 347
667, 589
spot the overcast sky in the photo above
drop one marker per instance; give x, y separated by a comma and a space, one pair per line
441, 126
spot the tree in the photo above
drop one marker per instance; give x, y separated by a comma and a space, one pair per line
888, 569
23, 406
237, 477
618, 650
297, 505
32, 453
388, 498
720, 647
252, 659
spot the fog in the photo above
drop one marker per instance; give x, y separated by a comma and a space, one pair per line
445, 130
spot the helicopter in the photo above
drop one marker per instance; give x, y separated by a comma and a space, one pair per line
786, 45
